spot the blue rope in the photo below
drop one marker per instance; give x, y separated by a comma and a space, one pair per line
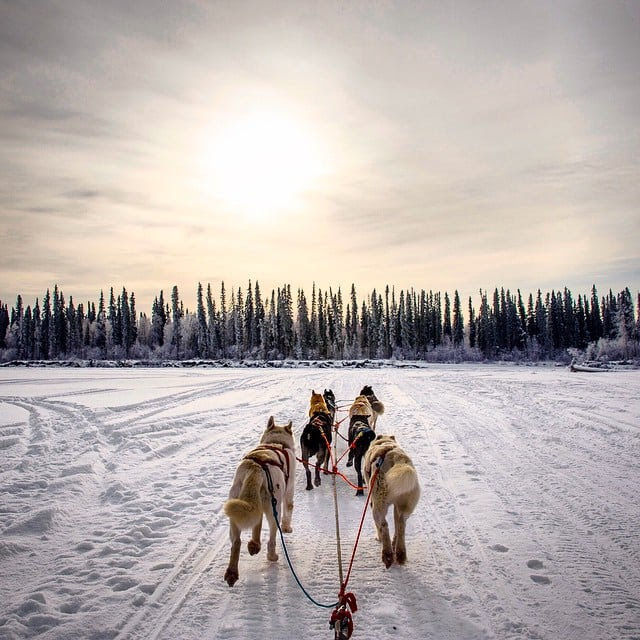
274, 504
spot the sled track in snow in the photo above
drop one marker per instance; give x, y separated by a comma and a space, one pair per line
150, 622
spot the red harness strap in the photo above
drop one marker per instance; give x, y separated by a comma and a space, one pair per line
283, 459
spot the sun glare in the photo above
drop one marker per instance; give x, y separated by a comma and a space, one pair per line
259, 164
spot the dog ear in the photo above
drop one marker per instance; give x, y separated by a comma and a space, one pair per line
289, 428
271, 424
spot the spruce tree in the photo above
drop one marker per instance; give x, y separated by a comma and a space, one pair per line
354, 317
37, 331
133, 321
249, 321
213, 331
258, 315
458, 322
101, 328
202, 334
176, 318
595, 328
4, 325
472, 325
125, 322
447, 331
223, 320
17, 321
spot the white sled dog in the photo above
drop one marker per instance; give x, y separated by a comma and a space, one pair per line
396, 484
250, 494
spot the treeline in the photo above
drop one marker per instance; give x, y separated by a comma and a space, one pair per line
406, 324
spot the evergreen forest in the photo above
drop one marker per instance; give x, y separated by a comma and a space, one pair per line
391, 324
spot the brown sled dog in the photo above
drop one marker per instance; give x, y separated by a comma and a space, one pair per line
396, 484
250, 495
377, 408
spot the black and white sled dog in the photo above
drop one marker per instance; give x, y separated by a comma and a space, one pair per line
317, 433
361, 433
377, 408
267, 472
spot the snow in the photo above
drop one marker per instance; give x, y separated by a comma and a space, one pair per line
112, 483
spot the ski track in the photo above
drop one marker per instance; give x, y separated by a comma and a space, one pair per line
112, 485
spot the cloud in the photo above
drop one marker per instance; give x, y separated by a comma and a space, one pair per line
465, 145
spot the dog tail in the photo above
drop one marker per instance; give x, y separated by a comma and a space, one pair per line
245, 511
378, 407
401, 479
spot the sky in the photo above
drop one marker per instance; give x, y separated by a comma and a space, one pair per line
442, 145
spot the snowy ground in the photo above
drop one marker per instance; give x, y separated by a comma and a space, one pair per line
112, 483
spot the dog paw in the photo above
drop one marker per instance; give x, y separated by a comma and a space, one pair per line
231, 576
401, 557
287, 528
253, 547
317, 482
309, 487
359, 492
387, 558
349, 463
273, 557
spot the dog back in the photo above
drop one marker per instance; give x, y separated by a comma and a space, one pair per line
400, 477
318, 405
360, 407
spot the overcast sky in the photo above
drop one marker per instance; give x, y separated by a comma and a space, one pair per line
440, 145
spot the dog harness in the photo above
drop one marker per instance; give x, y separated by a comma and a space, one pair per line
356, 419
283, 459
361, 430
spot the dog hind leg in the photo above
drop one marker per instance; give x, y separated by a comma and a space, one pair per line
327, 455
358, 468
287, 508
380, 518
400, 521
305, 463
231, 574
319, 461
254, 544
273, 527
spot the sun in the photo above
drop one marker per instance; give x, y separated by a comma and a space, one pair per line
260, 163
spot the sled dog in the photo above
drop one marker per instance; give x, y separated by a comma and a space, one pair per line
396, 484
360, 411
316, 434
377, 408
250, 493
360, 437
330, 401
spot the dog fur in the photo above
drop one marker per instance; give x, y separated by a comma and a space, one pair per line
360, 437
312, 441
396, 484
361, 407
330, 401
360, 413
317, 404
377, 408
250, 498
